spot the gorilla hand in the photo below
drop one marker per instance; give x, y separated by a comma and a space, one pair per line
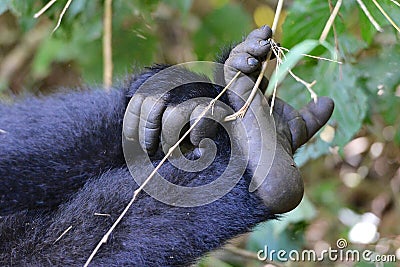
282, 188
152, 99
275, 176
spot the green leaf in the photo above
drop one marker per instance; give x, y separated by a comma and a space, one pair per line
305, 20
368, 30
382, 71
389, 7
349, 46
381, 79
350, 100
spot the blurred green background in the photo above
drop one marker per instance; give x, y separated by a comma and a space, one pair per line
351, 168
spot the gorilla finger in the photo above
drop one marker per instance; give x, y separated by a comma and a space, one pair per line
132, 118
283, 109
264, 32
244, 62
316, 115
208, 125
173, 121
297, 127
254, 47
150, 123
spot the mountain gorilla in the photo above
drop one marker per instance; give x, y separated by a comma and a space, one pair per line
64, 180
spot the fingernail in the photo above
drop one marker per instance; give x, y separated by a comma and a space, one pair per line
252, 61
263, 42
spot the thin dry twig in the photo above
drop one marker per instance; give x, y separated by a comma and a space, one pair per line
386, 15
242, 111
309, 86
330, 21
369, 16
278, 56
62, 15
63, 234
278, 65
335, 37
107, 45
277, 16
44, 9
137, 191
315, 57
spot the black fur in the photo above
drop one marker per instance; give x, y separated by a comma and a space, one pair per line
61, 162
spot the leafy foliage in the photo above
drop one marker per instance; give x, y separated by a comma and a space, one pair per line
79, 40
362, 87
365, 88
305, 20
340, 82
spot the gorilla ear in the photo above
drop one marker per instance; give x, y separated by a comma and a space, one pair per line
315, 115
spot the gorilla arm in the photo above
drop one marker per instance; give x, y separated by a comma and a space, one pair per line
52, 145
151, 234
